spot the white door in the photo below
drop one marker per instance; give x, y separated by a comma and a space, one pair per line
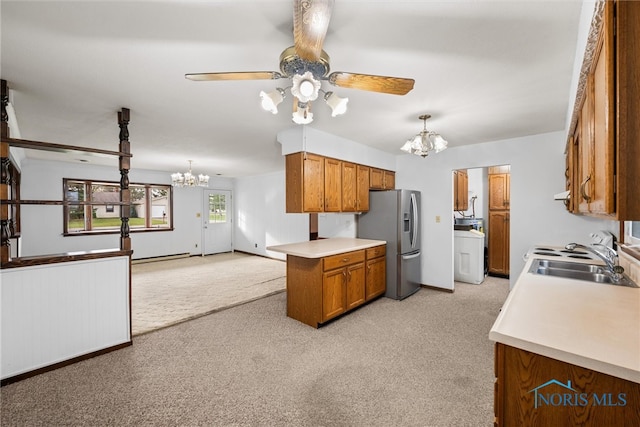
217, 222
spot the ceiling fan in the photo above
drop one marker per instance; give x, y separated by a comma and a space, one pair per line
307, 65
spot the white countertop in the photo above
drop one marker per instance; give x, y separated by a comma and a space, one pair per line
592, 325
325, 247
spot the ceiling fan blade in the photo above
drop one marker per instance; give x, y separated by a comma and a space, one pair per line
310, 24
383, 84
241, 75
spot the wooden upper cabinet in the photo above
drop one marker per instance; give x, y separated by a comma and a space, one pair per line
382, 179
362, 188
603, 124
376, 179
316, 183
595, 131
349, 187
605, 144
304, 183
332, 185
389, 180
584, 167
460, 190
499, 191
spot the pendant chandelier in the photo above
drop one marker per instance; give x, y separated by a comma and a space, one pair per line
425, 141
188, 179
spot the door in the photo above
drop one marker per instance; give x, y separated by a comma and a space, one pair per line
217, 222
410, 217
409, 276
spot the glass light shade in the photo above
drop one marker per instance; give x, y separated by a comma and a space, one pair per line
177, 179
203, 180
305, 87
189, 179
424, 142
338, 105
439, 143
271, 100
302, 116
407, 146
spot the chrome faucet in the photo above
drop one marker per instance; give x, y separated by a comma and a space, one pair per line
608, 255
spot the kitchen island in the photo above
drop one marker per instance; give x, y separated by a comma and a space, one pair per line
567, 352
329, 277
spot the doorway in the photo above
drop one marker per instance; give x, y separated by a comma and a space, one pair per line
217, 222
482, 203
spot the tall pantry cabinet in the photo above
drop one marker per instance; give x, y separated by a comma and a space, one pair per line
499, 220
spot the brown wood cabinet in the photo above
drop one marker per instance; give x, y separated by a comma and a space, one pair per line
460, 190
332, 185
304, 183
604, 147
498, 245
316, 183
499, 191
376, 283
525, 393
382, 179
499, 221
349, 187
320, 289
362, 188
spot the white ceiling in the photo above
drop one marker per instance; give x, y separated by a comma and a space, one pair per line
484, 70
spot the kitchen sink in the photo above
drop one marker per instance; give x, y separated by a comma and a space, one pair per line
578, 271
567, 265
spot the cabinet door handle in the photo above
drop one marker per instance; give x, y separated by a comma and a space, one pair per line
583, 185
345, 259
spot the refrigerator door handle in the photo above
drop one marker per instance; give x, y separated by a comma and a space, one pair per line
414, 214
412, 256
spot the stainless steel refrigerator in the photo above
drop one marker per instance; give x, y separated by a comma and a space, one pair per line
394, 216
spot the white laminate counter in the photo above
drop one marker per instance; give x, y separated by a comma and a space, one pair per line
592, 325
325, 247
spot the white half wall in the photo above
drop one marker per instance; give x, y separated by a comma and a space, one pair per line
537, 173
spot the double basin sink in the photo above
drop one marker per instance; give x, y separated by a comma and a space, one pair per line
578, 271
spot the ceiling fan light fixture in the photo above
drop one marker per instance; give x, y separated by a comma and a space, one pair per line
338, 105
302, 115
271, 100
305, 87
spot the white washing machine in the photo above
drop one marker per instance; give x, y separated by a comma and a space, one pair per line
468, 256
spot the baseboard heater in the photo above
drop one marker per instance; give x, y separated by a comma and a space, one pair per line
160, 258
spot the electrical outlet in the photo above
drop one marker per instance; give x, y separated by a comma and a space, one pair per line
196, 245
256, 244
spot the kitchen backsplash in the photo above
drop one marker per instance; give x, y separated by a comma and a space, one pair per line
630, 264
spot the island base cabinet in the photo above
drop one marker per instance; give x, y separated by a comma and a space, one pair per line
535, 390
320, 289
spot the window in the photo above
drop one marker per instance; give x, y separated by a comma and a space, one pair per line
91, 207
217, 208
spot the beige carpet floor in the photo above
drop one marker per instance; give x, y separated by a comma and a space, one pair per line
425, 361
165, 293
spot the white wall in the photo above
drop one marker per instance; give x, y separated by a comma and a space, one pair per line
260, 218
42, 226
537, 173
306, 138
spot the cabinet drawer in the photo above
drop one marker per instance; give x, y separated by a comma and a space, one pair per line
340, 260
376, 252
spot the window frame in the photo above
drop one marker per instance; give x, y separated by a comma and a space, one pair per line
88, 206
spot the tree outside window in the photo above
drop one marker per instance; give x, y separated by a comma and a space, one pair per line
91, 207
